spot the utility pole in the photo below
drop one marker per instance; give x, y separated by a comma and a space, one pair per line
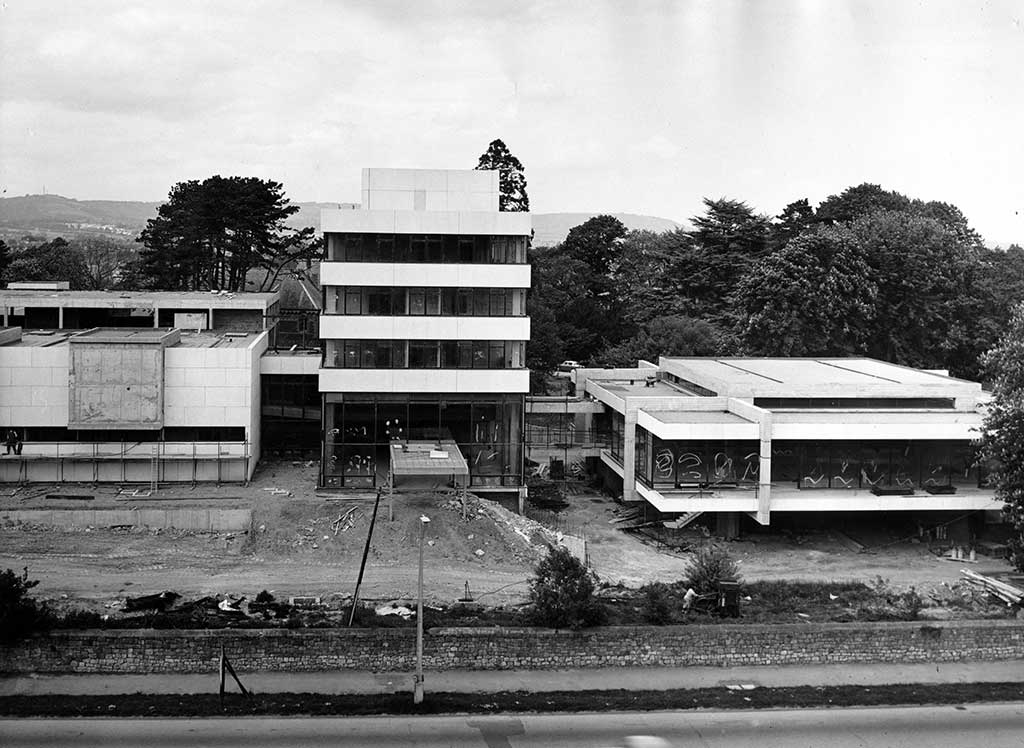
417, 692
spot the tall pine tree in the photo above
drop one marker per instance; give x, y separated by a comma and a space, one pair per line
511, 180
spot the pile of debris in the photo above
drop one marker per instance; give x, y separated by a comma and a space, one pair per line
1008, 593
535, 534
211, 610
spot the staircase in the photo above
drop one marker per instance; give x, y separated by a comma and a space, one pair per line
682, 521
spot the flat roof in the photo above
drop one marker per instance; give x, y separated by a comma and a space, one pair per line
640, 388
203, 339
152, 335
138, 299
214, 339
810, 377
417, 460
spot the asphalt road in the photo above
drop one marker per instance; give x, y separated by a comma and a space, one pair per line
989, 725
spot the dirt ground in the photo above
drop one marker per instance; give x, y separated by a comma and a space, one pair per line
294, 550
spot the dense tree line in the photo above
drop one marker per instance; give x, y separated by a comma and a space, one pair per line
868, 272
1003, 438
87, 263
223, 233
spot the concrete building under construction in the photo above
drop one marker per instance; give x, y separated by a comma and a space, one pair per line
140, 402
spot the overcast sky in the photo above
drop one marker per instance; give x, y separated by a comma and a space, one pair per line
629, 106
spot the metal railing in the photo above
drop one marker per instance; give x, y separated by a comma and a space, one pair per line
550, 436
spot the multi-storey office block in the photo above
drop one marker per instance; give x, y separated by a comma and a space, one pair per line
424, 326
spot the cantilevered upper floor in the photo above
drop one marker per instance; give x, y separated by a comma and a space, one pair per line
761, 435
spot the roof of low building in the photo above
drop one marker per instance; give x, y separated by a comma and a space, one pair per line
813, 377
139, 299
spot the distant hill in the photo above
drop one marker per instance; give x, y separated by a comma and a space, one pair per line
53, 215
551, 228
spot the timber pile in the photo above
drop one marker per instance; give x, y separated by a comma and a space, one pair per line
1005, 591
629, 518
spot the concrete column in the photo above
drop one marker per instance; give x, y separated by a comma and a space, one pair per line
60, 318
629, 456
7, 311
727, 524
209, 319
156, 316
764, 488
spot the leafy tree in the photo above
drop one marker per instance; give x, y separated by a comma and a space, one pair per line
20, 615
210, 234
561, 310
562, 592
921, 271
106, 260
815, 297
5, 257
1003, 429
596, 242
511, 179
573, 307
794, 219
854, 202
711, 565
665, 336
649, 275
54, 260
727, 239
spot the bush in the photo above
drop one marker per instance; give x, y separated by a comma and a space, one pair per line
562, 592
20, 615
709, 566
658, 604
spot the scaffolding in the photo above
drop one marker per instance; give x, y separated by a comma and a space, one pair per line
150, 463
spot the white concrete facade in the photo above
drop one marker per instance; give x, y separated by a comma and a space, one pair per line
410, 274
336, 327
451, 222
207, 381
435, 203
425, 380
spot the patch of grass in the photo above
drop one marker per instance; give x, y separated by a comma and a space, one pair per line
208, 705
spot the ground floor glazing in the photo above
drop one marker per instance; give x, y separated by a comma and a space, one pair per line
359, 429
938, 466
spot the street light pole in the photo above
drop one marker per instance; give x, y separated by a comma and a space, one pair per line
417, 690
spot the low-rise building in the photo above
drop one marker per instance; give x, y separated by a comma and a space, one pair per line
758, 436
136, 403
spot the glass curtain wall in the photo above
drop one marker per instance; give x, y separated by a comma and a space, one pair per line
424, 354
939, 466
359, 430
684, 463
433, 248
434, 301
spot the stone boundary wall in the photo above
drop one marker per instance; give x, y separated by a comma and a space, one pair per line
389, 650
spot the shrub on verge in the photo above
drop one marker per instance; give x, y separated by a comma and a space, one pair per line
562, 592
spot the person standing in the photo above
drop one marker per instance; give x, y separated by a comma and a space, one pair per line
13, 442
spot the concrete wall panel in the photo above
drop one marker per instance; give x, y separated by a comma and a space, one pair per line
116, 385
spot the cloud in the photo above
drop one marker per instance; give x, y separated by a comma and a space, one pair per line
642, 107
